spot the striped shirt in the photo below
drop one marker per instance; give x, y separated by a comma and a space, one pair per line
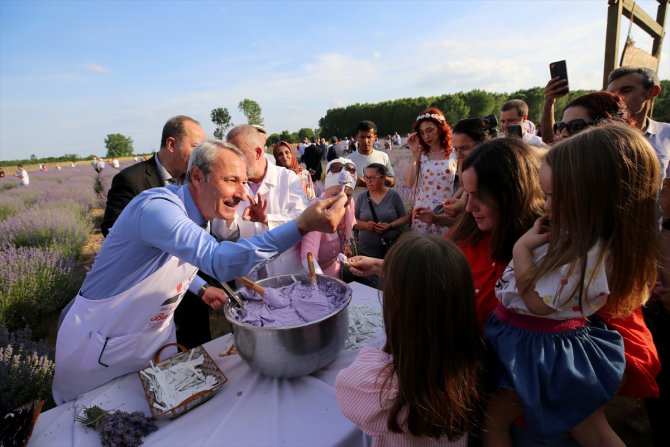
358, 391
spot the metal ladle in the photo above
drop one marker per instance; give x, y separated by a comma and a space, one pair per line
235, 297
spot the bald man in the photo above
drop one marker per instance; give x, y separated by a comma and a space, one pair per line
279, 193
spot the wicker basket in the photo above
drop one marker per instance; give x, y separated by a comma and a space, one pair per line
208, 367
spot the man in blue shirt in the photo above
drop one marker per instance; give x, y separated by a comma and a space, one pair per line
124, 310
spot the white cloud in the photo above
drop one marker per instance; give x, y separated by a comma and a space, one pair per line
96, 68
376, 55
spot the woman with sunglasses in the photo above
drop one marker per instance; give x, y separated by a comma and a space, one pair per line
433, 172
380, 213
285, 158
582, 112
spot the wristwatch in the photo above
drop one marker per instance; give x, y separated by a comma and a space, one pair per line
202, 290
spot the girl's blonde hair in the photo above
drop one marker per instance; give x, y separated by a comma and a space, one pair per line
432, 336
605, 182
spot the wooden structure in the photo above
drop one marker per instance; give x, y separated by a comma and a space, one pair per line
639, 17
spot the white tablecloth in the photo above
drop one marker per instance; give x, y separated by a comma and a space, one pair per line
249, 410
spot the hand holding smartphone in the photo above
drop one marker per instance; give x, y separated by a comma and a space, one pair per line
515, 130
560, 69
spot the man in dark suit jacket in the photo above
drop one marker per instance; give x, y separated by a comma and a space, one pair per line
181, 135
126, 185
312, 159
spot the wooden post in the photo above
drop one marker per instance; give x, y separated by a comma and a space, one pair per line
612, 38
661, 13
654, 28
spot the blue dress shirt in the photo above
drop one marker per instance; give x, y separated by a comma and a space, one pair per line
158, 224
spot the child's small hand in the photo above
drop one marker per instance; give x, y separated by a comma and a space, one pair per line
365, 266
537, 235
424, 215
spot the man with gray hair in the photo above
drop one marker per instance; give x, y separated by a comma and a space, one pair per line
123, 312
181, 134
274, 196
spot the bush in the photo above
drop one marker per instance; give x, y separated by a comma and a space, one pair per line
26, 368
64, 226
35, 283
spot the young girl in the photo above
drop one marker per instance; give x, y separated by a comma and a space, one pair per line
326, 246
422, 388
595, 248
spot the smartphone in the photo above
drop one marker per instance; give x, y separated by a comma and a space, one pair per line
439, 209
515, 130
560, 69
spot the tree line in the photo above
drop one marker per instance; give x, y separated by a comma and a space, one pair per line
399, 115
396, 115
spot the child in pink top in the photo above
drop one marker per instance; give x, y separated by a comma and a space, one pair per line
423, 388
324, 246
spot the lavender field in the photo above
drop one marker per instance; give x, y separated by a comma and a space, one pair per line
43, 227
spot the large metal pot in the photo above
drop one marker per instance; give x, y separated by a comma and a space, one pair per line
297, 350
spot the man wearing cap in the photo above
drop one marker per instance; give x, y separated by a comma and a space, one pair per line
276, 194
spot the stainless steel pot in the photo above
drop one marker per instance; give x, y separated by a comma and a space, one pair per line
297, 350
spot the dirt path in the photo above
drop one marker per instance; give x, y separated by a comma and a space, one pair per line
92, 246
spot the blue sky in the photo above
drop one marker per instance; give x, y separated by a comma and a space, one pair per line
72, 72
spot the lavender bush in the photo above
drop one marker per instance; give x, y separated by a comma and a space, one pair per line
35, 283
62, 225
401, 168
26, 368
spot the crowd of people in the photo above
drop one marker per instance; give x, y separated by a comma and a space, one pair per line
527, 244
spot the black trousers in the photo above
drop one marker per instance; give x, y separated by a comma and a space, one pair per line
658, 409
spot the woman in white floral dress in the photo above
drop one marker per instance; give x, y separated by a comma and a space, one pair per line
433, 171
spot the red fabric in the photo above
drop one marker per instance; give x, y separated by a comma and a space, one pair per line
642, 363
485, 273
537, 324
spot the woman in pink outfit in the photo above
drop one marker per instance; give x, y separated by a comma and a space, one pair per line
324, 246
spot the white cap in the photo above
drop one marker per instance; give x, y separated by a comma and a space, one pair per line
343, 161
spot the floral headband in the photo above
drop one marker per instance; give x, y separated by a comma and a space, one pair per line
431, 115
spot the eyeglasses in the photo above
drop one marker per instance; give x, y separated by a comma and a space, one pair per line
337, 167
370, 178
573, 127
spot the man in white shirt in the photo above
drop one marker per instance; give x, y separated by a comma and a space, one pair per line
274, 196
366, 136
638, 87
515, 112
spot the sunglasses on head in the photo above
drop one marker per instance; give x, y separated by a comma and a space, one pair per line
573, 126
337, 167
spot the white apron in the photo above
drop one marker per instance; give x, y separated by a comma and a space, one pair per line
100, 340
